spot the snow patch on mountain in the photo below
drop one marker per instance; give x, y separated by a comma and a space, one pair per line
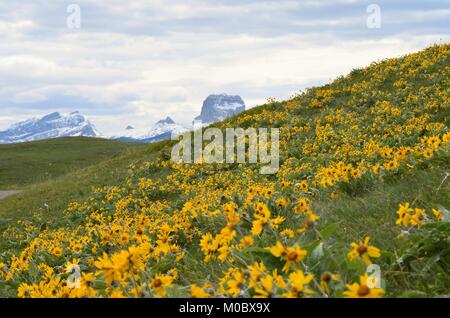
161, 130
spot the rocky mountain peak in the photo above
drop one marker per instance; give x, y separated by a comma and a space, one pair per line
167, 121
218, 107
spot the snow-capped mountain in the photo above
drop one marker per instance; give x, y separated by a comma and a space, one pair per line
219, 107
215, 108
161, 130
53, 125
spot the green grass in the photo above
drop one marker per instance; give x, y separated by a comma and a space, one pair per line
89, 163
35, 162
371, 213
53, 195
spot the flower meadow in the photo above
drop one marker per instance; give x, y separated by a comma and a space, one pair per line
310, 230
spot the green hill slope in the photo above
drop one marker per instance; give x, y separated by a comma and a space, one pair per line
364, 179
32, 162
53, 173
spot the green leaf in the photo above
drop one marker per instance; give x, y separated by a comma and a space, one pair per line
413, 294
330, 229
255, 250
311, 247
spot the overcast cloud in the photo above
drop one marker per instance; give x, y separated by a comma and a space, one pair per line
135, 62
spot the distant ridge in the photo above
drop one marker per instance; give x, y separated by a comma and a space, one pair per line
53, 125
163, 129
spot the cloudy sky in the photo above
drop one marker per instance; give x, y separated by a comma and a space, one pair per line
134, 62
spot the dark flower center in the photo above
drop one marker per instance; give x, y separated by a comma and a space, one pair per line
326, 277
292, 256
361, 249
157, 283
363, 291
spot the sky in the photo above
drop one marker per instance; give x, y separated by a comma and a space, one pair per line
135, 62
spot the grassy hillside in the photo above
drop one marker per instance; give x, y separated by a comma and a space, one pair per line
364, 179
32, 162
72, 180
53, 173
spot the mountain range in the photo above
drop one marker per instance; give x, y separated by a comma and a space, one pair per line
161, 130
215, 108
53, 125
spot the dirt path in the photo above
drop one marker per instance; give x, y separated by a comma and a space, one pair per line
5, 194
